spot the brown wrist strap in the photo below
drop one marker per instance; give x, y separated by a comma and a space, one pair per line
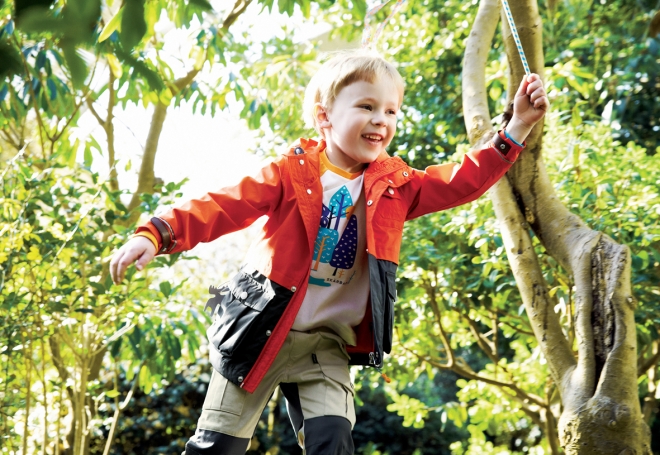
165, 235
500, 144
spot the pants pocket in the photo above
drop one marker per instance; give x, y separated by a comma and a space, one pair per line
224, 396
333, 362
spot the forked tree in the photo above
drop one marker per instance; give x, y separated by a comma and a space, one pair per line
600, 409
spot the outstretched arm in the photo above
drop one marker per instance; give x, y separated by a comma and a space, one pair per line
201, 220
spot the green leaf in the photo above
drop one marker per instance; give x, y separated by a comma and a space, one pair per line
10, 60
84, 310
145, 379
165, 288
75, 63
203, 4
88, 159
305, 7
99, 289
576, 118
133, 23
360, 9
576, 154
580, 42
112, 393
41, 20
110, 27
152, 77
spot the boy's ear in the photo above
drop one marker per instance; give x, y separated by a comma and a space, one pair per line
321, 116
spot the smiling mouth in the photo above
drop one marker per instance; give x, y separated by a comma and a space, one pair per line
373, 137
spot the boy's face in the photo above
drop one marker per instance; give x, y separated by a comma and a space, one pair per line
361, 123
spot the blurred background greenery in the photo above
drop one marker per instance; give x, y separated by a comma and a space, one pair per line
92, 367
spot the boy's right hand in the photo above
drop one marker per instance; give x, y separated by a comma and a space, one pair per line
138, 249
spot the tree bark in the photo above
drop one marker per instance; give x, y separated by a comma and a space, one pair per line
601, 411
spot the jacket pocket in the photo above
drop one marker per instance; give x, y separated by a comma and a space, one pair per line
242, 300
392, 209
389, 311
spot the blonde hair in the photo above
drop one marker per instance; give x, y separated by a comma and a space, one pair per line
343, 69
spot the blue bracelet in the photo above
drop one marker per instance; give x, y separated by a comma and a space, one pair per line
508, 136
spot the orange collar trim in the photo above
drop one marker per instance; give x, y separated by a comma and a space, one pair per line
326, 165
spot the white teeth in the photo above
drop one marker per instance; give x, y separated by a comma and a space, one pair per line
375, 138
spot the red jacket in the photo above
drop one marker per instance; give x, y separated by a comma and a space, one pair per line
288, 191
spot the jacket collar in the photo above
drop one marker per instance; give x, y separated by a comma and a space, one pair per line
313, 146
384, 164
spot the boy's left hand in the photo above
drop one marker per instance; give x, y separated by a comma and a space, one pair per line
531, 101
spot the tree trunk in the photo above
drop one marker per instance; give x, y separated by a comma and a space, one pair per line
601, 411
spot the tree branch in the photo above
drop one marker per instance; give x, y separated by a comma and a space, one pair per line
239, 8
469, 374
483, 343
451, 358
651, 362
90, 105
146, 176
475, 101
59, 365
109, 128
520, 251
531, 283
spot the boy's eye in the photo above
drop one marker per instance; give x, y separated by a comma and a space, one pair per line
391, 111
366, 106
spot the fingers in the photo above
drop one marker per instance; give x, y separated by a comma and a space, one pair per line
522, 88
120, 262
536, 92
542, 103
117, 271
532, 87
113, 268
138, 250
539, 99
143, 260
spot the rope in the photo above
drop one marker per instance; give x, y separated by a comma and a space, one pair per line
368, 39
516, 38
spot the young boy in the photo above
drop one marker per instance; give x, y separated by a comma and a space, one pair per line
317, 292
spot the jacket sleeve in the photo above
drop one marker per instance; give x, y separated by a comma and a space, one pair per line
227, 210
445, 186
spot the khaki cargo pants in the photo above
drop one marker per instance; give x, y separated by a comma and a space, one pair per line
312, 372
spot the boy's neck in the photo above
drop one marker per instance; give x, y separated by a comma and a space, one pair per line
344, 165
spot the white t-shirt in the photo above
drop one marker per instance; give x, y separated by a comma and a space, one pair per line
339, 281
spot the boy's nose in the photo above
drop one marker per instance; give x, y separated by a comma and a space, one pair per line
378, 119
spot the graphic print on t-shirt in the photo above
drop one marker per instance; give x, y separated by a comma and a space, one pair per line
336, 245
329, 247
344, 254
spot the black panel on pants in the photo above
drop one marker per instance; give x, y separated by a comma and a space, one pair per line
326, 435
207, 442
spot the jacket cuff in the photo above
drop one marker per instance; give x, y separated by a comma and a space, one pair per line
163, 233
507, 147
148, 235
